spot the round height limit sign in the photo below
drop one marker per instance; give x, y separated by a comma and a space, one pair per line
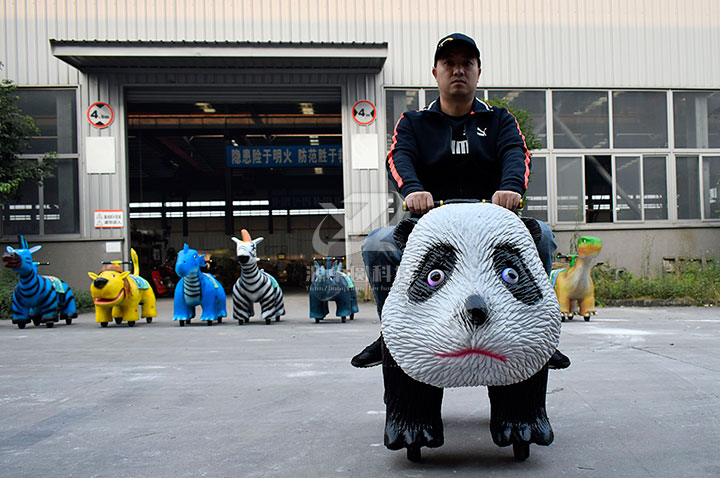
100, 114
364, 112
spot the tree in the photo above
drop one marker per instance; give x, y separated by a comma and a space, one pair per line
524, 120
15, 131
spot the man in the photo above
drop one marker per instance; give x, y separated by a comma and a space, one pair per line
458, 147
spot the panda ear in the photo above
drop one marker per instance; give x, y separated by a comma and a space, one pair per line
402, 231
534, 228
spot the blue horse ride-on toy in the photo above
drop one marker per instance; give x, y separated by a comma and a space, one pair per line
329, 283
196, 288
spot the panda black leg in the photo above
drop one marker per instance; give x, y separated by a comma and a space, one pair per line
517, 414
413, 417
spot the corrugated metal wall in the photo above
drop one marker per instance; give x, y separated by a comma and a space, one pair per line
540, 43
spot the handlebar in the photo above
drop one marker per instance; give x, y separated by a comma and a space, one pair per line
460, 201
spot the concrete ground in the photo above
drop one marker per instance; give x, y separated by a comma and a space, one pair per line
640, 399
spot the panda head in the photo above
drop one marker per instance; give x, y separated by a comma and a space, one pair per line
471, 303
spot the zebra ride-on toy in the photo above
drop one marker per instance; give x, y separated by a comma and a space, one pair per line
36, 298
254, 285
118, 295
196, 288
329, 283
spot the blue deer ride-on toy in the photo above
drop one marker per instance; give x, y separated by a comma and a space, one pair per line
197, 288
36, 298
329, 283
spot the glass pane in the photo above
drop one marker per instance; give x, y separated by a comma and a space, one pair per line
711, 177
535, 204
431, 95
640, 119
570, 205
655, 188
396, 103
60, 195
22, 216
697, 119
580, 119
688, 181
54, 113
627, 188
532, 101
598, 189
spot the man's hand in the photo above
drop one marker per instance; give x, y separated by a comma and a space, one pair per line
419, 202
507, 199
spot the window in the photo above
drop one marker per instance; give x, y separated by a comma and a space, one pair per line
688, 181
580, 119
570, 204
612, 189
628, 190
697, 119
532, 101
710, 179
396, 103
535, 203
53, 207
655, 200
640, 119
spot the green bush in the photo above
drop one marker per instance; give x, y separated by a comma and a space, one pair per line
695, 284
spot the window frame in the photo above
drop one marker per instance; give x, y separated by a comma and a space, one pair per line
39, 212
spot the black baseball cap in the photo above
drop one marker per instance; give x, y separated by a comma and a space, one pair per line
448, 40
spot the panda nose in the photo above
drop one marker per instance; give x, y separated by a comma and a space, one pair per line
477, 309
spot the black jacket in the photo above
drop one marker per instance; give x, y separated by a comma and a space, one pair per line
420, 158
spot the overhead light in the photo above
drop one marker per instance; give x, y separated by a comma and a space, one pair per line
318, 170
314, 140
234, 143
307, 108
206, 107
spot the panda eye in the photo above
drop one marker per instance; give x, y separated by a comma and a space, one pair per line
435, 277
510, 275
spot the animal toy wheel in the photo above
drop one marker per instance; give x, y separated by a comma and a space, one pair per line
352, 316
49, 325
149, 320
414, 454
209, 322
219, 320
521, 451
68, 321
182, 323
268, 321
587, 318
21, 325
103, 324
118, 320
131, 323
277, 319
36, 322
240, 322
343, 319
317, 321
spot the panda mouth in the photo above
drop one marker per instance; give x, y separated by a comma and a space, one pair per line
471, 351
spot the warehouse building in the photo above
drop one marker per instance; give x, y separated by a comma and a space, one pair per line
185, 123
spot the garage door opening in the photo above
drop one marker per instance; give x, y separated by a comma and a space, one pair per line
203, 165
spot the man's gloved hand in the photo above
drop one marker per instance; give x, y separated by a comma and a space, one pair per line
507, 199
419, 202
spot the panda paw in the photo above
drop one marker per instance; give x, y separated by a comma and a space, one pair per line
534, 430
401, 434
